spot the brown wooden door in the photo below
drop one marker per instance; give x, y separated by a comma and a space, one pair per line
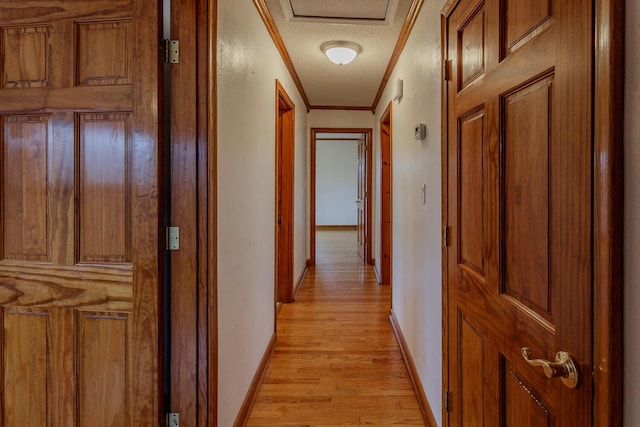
386, 204
285, 157
519, 206
361, 200
79, 298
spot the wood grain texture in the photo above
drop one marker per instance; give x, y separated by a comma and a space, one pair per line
25, 166
102, 369
25, 347
608, 212
78, 99
184, 396
538, 233
207, 24
44, 285
284, 192
337, 360
19, 70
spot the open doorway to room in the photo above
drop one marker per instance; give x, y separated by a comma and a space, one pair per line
340, 177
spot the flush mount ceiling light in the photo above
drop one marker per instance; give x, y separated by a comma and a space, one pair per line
341, 52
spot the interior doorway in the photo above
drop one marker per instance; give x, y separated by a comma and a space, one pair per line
386, 202
363, 198
285, 134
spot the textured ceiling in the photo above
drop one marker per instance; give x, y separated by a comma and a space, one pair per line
325, 83
350, 9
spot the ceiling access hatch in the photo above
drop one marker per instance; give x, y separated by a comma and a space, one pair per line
377, 12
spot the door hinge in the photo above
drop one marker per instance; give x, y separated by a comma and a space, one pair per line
173, 419
170, 51
448, 65
446, 231
447, 408
172, 238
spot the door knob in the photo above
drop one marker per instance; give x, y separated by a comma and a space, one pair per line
563, 367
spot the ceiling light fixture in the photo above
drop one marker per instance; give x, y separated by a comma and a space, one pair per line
341, 52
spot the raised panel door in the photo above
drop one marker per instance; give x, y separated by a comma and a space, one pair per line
79, 288
519, 205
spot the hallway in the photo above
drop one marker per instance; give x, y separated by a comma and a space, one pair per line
337, 360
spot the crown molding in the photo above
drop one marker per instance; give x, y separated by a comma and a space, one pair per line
409, 22
269, 22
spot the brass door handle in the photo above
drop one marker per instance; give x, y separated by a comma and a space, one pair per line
563, 367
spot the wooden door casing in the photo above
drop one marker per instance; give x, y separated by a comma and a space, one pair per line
386, 204
79, 267
519, 206
368, 156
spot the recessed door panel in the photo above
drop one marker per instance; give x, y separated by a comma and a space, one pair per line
471, 203
527, 208
25, 154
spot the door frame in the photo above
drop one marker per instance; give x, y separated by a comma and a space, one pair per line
386, 154
312, 188
284, 194
193, 383
607, 211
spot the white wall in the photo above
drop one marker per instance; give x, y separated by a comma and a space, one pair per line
336, 182
632, 217
417, 277
248, 66
340, 119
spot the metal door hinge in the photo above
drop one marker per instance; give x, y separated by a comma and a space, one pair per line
173, 419
170, 51
446, 231
448, 65
446, 401
172, 242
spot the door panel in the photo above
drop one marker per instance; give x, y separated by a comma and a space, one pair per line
519, 202
79, 267
361, 202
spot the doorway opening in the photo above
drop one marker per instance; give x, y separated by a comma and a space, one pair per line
361, 138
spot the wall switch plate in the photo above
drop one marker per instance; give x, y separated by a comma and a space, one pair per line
420, 131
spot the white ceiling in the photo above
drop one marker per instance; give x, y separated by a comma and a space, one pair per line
375, 25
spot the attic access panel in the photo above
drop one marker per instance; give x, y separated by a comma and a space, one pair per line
354, 11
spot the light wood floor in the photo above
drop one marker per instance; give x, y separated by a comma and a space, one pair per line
337, 360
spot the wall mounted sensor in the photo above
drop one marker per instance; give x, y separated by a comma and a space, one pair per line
421, 131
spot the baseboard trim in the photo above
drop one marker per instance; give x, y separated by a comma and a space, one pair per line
296, 289
375, 270
336, 227
249, 400
425, 408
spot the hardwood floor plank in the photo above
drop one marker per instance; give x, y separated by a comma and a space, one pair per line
337, 361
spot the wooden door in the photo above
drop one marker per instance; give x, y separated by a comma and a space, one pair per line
79, 293
386, 204
520, 156
285, 127
361, 200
